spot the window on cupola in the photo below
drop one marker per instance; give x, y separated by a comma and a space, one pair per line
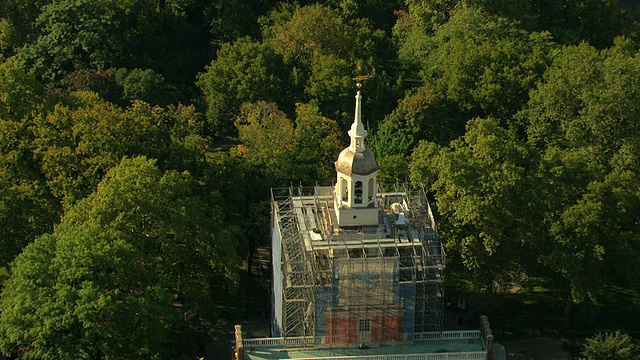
357, 192
345, 189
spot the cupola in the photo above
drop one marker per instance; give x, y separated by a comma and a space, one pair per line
355, 192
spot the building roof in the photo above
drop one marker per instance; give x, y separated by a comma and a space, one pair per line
357, 163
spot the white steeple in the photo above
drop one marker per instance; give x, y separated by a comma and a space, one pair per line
355, 202
357, 132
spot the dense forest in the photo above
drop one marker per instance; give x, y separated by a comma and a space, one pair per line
123, 206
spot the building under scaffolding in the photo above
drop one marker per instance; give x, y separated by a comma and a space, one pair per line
358, 272
353, 264
358, 284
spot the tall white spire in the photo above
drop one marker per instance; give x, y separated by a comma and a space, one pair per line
357, 132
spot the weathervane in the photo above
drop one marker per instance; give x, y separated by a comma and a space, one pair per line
360, 78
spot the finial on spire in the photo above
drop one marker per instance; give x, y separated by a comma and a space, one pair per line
359, 79
357, 132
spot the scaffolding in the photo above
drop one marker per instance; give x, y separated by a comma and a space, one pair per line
355, 285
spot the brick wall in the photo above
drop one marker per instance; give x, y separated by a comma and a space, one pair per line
342, 330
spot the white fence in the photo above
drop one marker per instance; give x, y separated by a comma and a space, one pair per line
448, 335
264, 342
423, 336
478, 355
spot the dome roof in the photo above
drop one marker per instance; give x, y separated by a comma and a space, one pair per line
356, 162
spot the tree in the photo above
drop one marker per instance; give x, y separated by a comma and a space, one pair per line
175, 224
485, 193
80, 294
484, 64
284, 154
587, 100
319, 142
268, 141
20, 93
27, 210
71, 38
324, 62
244, 71
380, 12
16, 23
145, 85
299, 39
101, 82
582, 121
597, 22
610, 346
27, 207
77, 143
423, 114
169, 37
231, 20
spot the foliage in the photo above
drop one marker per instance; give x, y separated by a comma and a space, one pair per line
394, 169
73, 35
16, 23
319, 140
70, 38
597, 22
27, 208
101, 82
144, 85
581, 119
324, 62
423, 114
486, 196
477, 60
78, 143
268, 140
587, 100
610, 346
173, 222
80, 294
20, 92
244, 71
285, 154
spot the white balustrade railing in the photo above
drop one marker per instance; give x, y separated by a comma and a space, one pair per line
307, 340
477, 355
448, 335
421, 336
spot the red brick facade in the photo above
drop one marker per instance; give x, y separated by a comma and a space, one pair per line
342, 330
345, 330
386, 328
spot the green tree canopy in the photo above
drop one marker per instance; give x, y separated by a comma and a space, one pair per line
174, 223
78, 142
244, 71
286, 154
597, 22
482, 63
319, 142
80, 294
27, 207
268, 141
325, 62
582, 120
588, 101
485, 192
